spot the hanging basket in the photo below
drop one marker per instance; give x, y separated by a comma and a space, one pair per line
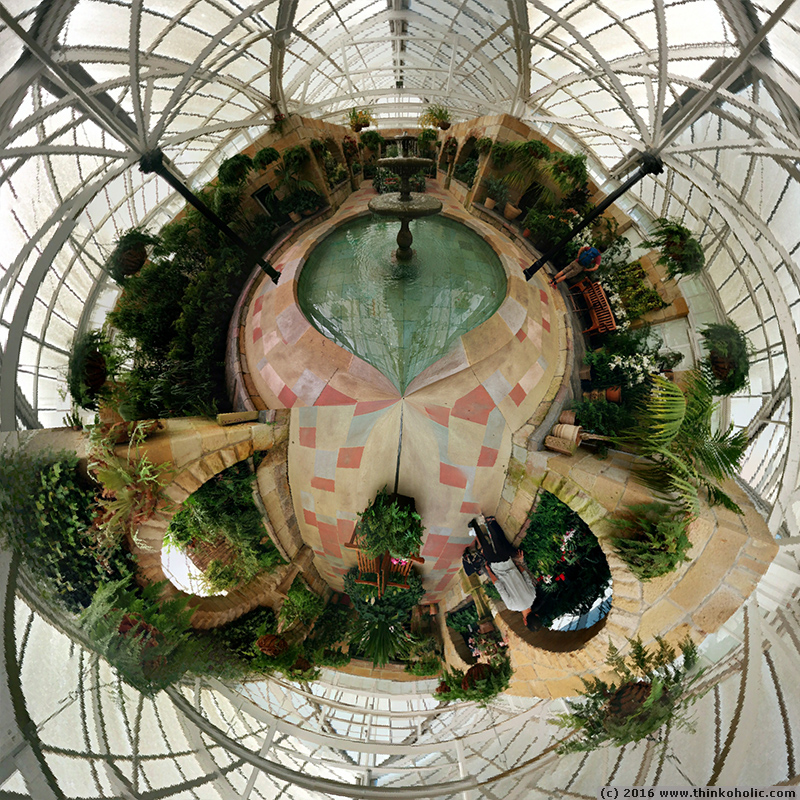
272, 645
475, 673
132, 259
625, 702
444, 126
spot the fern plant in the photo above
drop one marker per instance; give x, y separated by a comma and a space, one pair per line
144, 637
390, 524
653, 541
300, 604
674, 432
680, 252
480, 684
654, 687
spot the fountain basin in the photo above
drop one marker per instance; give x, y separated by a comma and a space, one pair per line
390, 205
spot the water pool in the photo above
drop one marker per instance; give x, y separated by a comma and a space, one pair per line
400, 318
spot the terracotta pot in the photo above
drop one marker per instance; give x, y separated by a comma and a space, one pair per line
475, 673
627, 700
489, 203
571, 433
442, 688
444, 125
567, 418
614, 394
309, 212
273, 646
294, 217
511, 211
526, 233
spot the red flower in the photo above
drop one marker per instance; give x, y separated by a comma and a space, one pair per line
560, 577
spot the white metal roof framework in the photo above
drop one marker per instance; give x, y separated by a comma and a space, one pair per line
87, 86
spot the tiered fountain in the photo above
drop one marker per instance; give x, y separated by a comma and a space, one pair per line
405, 205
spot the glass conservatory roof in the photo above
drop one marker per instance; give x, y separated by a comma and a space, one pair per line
88, 86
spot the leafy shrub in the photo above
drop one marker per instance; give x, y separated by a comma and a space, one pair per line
502, 155
484, 145
390, 523
566, 561
46, 512
463, 620
466, 172
602, 418
93, 362
223, 507
144, 637
234, 170
381, 630
264, 157
569, 170
425, 658
653, 689
654, 541
239, 637
680, 252
295, 157
498, 190
458, 685
729, 355
619, 275
300, 604
372, 140
548, 226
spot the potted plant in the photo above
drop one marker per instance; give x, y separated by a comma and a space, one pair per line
680, 252
289, 206
234, 170
511, 212
390, 523
450, 148
496, 193
653, 539
484, 145
435, 115
568, 170
129, 253
426, 140
481, 683
296, 157
360, 118
372, 140
264, 157
729, 354
94, 360
349, 148
502, 155
654, 688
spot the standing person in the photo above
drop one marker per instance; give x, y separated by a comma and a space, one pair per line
515, 586
587, 256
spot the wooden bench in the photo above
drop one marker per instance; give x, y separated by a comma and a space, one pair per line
597, 305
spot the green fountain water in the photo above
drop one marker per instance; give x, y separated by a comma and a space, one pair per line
400, 317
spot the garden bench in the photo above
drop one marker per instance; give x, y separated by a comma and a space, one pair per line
596, 304
386, 573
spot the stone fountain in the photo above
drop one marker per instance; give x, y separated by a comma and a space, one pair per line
405, 205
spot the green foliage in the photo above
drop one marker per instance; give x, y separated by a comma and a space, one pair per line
240, 636
529, 159
482, 690
295, 157
602, 418
94, 361
619, 275
234, 170
433, 115
46, 511
131, 487
625, 711
332, 627
466, 172
425, 658
654, 541
502, 155
264, 157
498, 190
563, 556
450, 148
684, 453
223, 508
425, 140
548, 226
300, 604
729, 354
390, 523
177, 310
129, 253
463, 620
145, 638
484, 145
381, 630
568, 170
491, 591
372, 140
681, 253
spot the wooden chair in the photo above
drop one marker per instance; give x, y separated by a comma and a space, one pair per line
386, 574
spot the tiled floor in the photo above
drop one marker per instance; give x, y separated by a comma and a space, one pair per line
455, 418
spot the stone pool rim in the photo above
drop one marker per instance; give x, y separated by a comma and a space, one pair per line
313, 238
